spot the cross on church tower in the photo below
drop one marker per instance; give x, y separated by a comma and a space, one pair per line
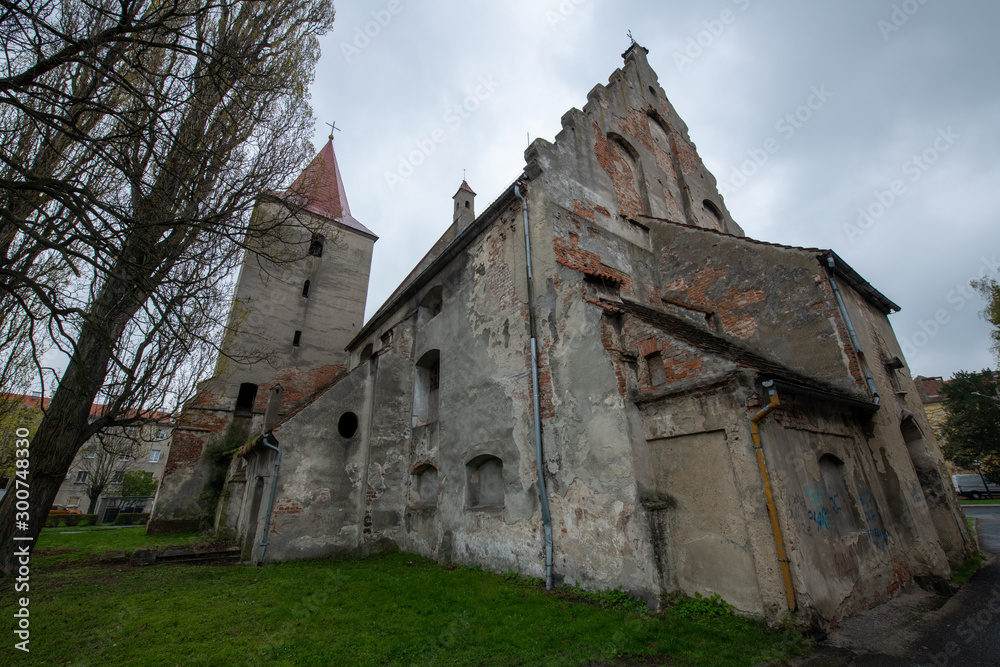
333, 126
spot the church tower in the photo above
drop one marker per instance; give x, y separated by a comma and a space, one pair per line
465, 209
302, 298
299, 300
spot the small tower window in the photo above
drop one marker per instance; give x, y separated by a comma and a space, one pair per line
305, 289
245, 399
316, 246
468, 205
297, 338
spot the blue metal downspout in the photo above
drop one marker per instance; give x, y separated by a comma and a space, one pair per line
270, 502
542, 495
854, 336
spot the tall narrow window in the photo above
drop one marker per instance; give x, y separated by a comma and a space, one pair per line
657, 375
426, 388
297, 338
305, 289
245, 399
316, 246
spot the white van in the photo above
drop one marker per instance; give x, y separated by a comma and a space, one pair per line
971, 486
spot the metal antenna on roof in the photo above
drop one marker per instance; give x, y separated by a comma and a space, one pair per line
333, 126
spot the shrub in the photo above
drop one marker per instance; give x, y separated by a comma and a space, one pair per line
53, 521
131, 519
87, 519
72, 519
701, 609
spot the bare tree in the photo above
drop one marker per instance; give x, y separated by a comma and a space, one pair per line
106, 458
134, 139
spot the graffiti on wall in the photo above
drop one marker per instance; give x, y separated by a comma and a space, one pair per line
821, 506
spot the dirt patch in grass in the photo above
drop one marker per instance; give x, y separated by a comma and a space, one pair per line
53, 551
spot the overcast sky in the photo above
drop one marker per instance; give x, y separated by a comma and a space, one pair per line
902, 126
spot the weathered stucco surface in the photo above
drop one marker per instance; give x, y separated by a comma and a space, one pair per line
660, 329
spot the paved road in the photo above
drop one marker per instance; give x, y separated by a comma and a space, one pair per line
965, 632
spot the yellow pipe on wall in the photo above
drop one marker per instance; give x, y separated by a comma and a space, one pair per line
772, 510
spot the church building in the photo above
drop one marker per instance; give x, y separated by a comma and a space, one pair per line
597, 379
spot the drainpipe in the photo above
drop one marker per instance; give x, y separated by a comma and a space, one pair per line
270, 502
543, 497
854, 336
765, 479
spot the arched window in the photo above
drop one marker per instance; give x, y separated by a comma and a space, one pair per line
366, 353
484, 482
628, 178
245, 399
714, 212
425, 485
426, 388
316, 246
430, 305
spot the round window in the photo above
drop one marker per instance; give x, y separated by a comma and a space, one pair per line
348, 425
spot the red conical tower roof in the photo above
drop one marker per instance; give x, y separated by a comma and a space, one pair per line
321, 189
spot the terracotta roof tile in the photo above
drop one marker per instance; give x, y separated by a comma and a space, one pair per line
320, 189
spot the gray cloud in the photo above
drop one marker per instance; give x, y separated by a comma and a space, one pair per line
893, 90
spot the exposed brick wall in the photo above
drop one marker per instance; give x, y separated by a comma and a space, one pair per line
695, 290
587, 210
831, 310
287, 506
570, 255
638, 340
296, 385
185, 449
371, 495
624, 177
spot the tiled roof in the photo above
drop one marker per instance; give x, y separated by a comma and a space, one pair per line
929, 388
320, 190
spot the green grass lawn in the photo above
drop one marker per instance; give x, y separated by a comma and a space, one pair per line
395, 609
982, 501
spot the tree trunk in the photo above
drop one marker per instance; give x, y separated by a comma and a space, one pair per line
64, 428
93, 500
